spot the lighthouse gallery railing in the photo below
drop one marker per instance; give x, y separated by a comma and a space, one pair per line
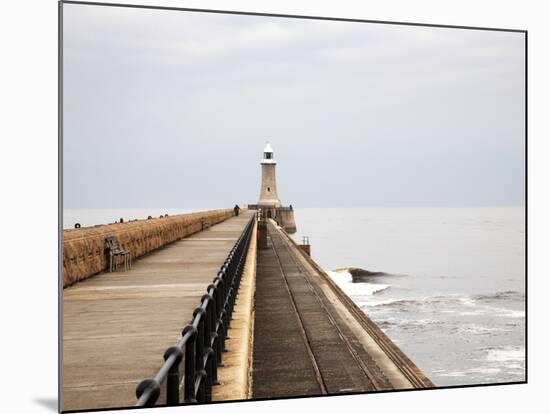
203, 340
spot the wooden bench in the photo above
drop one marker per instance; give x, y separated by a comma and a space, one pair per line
115, 253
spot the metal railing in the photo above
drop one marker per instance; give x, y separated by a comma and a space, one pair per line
203, 340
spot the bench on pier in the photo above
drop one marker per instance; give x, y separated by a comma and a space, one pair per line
116, 253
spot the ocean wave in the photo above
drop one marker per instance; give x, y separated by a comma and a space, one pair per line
419, 325
477, 312
485, 371
359, 275
491, 310
385, 324
505, 312
506, 354
451, 303
428, 301
453, 374
504, 295
344, 280
398, 303
514, 314
475, 329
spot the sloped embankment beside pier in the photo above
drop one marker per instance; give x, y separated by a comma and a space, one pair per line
84, 252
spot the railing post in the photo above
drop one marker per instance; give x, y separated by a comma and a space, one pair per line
199, 349
201, 391
223, 318
219, 321
223, 313
208, 358
199, 352
230, 260
173, 378
189, 379
234, 286
225, 278
213, 334
230, 305
208, 351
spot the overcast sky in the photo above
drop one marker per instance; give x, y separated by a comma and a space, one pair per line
173, 109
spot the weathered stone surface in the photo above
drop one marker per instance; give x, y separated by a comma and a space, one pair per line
84, 253
286, 219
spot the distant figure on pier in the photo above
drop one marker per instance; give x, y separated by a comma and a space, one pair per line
236, 209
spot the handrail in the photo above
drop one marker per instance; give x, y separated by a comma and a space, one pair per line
203, 340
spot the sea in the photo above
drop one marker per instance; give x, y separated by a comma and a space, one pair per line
452, 295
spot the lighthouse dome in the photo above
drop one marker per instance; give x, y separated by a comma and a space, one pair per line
268, 154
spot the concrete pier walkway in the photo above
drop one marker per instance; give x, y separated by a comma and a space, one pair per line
116, 326
309, 340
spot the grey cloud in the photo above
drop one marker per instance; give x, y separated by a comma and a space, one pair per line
173, 109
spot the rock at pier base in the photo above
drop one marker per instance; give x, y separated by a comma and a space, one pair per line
359, 275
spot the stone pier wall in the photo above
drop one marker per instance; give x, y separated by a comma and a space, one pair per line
284, 216
285, 219
84, 252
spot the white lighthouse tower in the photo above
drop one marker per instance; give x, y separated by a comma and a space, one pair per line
269, 201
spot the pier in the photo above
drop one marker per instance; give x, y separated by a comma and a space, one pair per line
218, 305
117, 326
289, 330
309, 340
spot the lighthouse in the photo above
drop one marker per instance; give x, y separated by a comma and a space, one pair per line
269, 201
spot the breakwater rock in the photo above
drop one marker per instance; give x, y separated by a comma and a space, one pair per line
359, 275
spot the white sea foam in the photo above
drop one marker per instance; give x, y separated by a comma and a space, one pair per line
505, 312
479, 330
453, 374
469, 313
512, 354
467, 301
490, 310
485, 370
514, 314
344, 280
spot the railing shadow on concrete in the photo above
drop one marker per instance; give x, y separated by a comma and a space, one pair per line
203, 341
